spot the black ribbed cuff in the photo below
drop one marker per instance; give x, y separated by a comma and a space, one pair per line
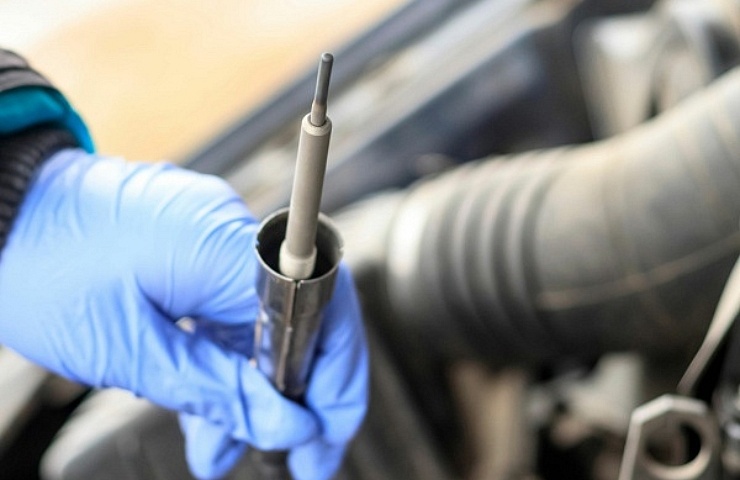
21, 154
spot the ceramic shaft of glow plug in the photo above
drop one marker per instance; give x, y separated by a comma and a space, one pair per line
298, 251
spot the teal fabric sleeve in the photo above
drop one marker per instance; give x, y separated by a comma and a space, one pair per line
24, 107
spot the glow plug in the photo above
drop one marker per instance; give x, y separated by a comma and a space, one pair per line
299, 253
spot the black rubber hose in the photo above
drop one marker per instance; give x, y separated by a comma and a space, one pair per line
620, 245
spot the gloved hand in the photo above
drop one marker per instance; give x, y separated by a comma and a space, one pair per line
105, 256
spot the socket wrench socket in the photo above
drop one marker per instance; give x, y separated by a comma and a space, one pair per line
291, 310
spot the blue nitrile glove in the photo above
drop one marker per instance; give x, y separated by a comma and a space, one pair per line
106, 255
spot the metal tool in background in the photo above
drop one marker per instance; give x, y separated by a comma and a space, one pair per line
667, 420
299, 253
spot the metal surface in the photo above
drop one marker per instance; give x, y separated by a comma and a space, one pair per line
499, 446
665, 420
321, 95
635, 66
20, 384
291, 310
724, 318
115, 435
727, 405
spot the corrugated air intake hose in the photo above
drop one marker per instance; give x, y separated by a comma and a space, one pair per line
623, 244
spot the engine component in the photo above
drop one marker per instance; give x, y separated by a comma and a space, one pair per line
575, 252
635, 66
717, 334
666, 417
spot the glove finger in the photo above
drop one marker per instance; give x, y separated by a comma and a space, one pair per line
210, 450
315, 460
338, 388
236, 337
195, 254
191, 374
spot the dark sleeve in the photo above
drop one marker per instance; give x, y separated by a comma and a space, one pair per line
35, 122
21, 154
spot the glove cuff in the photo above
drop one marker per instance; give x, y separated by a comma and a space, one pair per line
27, 99
21, 154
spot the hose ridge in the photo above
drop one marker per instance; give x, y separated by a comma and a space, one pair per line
621, 244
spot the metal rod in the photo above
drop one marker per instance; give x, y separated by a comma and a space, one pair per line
321, 95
